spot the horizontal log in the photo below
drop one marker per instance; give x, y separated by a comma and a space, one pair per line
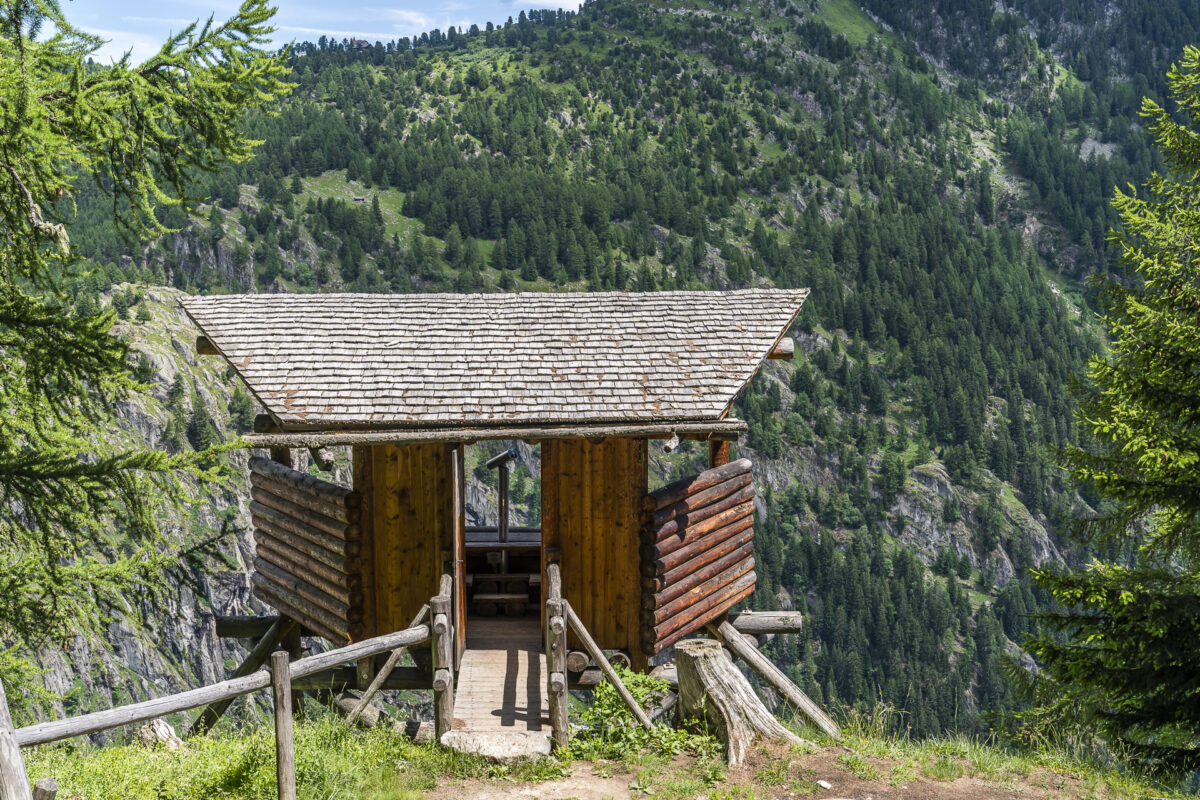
332, 526
742, 540
759, 623
341, 604
674, 492
243, 626
699, 500
702, 573
702, 590
719, 429
299, 497
332, 492
663, 564
86, 724
269, 519
678, 525
577, 661
399, 679
298, 563
587, 679
319, 620
699, 531
785, 350
442, 679
691, 619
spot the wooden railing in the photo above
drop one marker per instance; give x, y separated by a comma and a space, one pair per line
14, 785
556, 656
441, 606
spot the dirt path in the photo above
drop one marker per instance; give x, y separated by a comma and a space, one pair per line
776, 774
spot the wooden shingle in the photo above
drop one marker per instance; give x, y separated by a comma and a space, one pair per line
337, 361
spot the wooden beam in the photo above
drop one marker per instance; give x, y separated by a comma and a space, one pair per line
734, 640
766, 622
598, 656
663, 430
205, 347
14, 783
254, 659
86, 724
382, 675
784, 351
285, 753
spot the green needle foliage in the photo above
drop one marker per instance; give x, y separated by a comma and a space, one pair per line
1128, 648
78, 528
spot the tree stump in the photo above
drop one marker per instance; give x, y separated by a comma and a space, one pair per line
713, 689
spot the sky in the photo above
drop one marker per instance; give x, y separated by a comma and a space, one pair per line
142, 25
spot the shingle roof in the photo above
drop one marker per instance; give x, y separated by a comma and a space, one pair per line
330, 361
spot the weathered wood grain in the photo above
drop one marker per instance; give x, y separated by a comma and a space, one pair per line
678, 490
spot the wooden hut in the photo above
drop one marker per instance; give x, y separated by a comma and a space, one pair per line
407, 381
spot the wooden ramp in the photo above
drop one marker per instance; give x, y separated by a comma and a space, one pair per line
500, 706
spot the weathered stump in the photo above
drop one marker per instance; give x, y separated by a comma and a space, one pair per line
713, 689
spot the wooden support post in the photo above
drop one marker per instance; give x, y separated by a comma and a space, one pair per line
598, 656
440, 607
718, 453
285, 754
382, 675
254, 659
556, 657
14, 784
736, 642
713, 689
45, 789
295, 650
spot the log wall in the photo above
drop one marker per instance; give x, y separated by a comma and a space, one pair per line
696, 554
591, 509
308, 549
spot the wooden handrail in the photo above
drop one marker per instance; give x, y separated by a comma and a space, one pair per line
555, 647
598, 656
85, 724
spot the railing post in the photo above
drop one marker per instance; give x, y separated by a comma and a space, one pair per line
556, 656
14, 784
285, 755
440, 607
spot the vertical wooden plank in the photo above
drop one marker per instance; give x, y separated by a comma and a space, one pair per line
14, 783
285, 755
459, 511
361, 457
718, 453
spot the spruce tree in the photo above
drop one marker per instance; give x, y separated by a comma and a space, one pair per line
77, 506
1128, 654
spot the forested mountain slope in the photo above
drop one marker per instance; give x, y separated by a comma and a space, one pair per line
940, 186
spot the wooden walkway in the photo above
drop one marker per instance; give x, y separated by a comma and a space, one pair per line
502, 678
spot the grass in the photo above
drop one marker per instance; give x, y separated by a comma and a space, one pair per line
333, 761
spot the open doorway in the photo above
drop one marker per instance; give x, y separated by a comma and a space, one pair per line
503, 534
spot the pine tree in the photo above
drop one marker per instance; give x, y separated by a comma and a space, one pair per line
1128, 650
77, 507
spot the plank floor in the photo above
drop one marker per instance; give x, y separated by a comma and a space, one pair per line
502, 678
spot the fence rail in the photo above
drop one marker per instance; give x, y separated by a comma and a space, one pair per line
15, 786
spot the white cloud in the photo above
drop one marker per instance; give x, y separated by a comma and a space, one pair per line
341, 34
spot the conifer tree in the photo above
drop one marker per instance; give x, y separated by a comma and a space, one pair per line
78, 527
1130, 655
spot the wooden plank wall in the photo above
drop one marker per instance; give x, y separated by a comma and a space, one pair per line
307, 548
409, 495
697, 554
592, 494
